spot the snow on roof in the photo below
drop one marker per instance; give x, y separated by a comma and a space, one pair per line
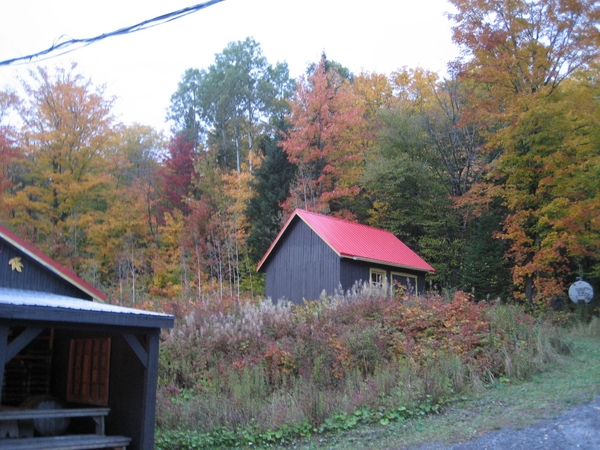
357, 241
19, 297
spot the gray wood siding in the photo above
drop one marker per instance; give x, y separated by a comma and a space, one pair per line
353, 271
301, 266
33, 275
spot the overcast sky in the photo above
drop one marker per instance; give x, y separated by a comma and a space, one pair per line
142, 69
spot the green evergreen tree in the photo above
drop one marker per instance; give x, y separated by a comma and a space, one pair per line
270, 187
485, 270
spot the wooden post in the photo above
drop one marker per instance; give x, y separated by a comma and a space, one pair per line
150, 380
3, 352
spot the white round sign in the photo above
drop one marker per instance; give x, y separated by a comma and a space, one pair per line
581, 291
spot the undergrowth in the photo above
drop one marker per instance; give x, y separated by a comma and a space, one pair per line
260, 373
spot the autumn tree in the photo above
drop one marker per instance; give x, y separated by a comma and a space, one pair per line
519, 47
10, 153
376, 91
325, 140
176, 174
518, 55
65, 138
195, 245
451, 143
544, 177
124, 241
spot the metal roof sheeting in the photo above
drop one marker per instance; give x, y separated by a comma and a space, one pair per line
19, 297
18, 304
356, 241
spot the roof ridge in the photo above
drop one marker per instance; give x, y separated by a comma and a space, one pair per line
351, 222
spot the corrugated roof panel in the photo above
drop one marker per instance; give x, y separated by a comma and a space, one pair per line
19, 297
355, 240
23, 306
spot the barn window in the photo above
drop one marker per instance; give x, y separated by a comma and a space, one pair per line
377, 277
407, 281
89, 362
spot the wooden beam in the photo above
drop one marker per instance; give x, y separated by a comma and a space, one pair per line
150, 380
21, 342
3, 346
137, 348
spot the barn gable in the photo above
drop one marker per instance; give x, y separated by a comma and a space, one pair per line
22, 266
303, 263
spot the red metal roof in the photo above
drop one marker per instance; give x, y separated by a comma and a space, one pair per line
50, 264
356, 241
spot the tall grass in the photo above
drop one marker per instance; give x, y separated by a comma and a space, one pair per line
268, 366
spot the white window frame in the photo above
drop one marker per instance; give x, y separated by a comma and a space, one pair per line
406, 275
383, 276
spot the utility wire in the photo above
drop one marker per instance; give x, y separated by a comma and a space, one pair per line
165, 18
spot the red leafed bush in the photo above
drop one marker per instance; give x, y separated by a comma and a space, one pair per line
423, 327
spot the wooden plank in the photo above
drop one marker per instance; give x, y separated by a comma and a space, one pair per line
137, 348
9, 428
3, 346
72, 442
88, 377
21, 341
25, 414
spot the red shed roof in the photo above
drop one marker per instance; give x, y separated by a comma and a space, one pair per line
356, 241
50, 264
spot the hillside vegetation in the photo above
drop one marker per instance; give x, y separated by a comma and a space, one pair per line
256, 373
487, 171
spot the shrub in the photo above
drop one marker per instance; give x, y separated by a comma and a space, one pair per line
257, 367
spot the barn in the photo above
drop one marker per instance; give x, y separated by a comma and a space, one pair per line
314, 253
75, 371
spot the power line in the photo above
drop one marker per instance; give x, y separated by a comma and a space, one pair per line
165, 18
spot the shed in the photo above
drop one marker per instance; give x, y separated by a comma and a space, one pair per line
58, 338
314, 253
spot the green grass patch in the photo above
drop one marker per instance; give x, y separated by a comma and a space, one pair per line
572, 381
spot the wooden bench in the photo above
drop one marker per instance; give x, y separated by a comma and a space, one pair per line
97, 414
68, 442
11, 417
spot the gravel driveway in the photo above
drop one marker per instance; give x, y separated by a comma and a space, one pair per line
578, 428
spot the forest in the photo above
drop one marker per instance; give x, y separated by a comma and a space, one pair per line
489, 172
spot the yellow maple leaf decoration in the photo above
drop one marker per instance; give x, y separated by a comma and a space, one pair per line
16, 264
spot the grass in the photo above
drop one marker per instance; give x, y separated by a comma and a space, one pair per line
262, 374
572, 381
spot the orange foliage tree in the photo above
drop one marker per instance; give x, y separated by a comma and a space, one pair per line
528, 61
66, 137
325, 140
547, 179
9, 150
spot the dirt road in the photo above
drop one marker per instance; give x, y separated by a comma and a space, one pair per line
577, 428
